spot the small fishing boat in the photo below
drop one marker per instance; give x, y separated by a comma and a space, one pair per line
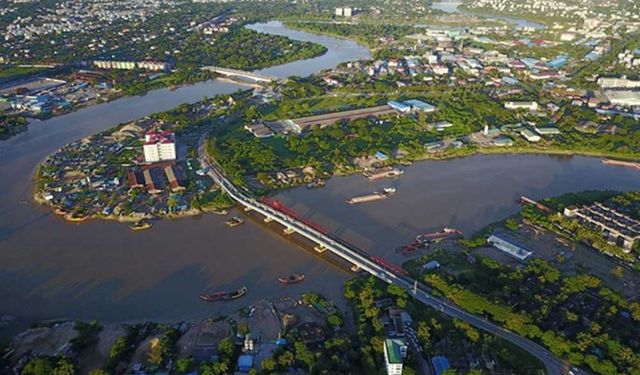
235, 221
237, 294
223, 295
140, 225
292, 279
211, 297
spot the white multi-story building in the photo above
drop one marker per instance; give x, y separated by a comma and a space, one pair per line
532, 106
159, 146
395, 351
344, 12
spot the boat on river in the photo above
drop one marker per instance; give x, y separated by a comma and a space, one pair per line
76, 217
292, 279
234, 221
315, 184
445, 233
223, 295
384, 172
621, 163
140, 225
376, 196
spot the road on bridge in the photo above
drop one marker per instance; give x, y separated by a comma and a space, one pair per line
553, 364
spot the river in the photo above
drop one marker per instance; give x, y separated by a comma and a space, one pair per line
101, 270
453, 7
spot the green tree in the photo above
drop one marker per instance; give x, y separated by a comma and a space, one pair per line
285, 360
39, 366
304, 355
184, 365
65, 367
214, 368
268, 365
118, 350
511, 224
226, 349
334, 320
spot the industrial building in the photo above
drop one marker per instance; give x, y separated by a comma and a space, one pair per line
420, 106
130, 65
530, 136
395, 351
625, 98
547, 130
508, 246
399, 106
159, 146
619, 229
618, 83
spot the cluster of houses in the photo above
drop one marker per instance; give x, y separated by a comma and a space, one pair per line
115, 174
49, 96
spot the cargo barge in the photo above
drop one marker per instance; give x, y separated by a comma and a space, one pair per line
620, 163
380, 173
445, 233
423, 240
376, 196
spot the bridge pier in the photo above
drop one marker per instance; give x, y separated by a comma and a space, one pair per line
247, 209
355, 268
288, 230
268, 219
320, 249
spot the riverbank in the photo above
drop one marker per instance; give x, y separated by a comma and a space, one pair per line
466, 153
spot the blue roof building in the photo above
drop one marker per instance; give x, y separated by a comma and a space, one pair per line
558, 62
245, 363
398, 106
419, 105
440, 364
381, 156
510, 80
592, 56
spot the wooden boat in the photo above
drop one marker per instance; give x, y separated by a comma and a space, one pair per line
234, 222
218, 296
318, 183
237, 294
292, 279
76, 218
223, 295
140, 225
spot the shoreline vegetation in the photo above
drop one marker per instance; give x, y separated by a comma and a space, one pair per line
224, 204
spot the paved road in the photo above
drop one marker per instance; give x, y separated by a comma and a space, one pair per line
553, 365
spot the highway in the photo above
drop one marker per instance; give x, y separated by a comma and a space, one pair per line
554, 365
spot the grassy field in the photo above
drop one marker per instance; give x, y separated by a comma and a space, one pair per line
8, 72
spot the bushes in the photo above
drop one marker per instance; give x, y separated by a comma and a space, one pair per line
87, 335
